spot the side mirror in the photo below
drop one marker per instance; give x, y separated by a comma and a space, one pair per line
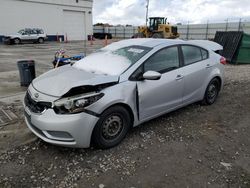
152, 75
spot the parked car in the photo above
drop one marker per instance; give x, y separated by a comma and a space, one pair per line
26, 35
99, 98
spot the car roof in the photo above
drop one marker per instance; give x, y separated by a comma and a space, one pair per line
146, 42
152, 43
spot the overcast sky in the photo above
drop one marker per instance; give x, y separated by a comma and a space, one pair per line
178, 11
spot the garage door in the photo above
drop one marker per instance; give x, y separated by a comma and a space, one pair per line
74, 24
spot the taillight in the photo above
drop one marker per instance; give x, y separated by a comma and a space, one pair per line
223, 61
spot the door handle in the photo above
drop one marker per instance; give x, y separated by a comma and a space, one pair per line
179, 77
208, 66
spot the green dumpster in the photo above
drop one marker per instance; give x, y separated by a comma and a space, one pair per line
243, 56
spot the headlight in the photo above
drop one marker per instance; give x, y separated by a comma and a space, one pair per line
76, 103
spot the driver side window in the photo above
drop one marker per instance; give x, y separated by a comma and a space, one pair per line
164, 60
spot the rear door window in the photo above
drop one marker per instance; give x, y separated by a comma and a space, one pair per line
204, 54
191, 54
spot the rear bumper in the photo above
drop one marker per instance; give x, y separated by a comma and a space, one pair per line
73, 130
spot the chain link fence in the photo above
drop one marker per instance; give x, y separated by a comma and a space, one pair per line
187, 31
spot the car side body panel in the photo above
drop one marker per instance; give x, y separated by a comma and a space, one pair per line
157, 96
122, 93
194, 79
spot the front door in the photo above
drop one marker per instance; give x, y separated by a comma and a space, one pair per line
160, 96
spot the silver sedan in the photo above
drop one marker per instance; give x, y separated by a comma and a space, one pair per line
99, 98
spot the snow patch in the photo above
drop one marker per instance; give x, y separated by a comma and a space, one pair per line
103, 63
135, 50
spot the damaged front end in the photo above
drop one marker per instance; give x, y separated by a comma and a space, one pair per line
74, 101
78, 98
76, 104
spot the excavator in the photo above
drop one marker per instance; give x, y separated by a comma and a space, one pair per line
158, 28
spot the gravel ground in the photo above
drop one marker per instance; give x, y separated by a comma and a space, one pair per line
197, 146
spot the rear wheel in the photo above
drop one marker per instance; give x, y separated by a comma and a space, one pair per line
17, 41
138, 35
40, 40
157, 35
212, 92
112, 127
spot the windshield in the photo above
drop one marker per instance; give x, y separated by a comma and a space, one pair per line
112, 62
21, 32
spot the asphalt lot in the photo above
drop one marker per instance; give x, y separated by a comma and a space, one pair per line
197, 146
43, 54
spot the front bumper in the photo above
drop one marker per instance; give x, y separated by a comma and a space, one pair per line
72, 130
7, 40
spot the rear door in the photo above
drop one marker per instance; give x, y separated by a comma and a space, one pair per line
26, 35
159, 96
197, 67
34, 35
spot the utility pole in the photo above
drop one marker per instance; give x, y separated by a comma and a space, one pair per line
226, 24
147, 12
187, 30
239, 28
207, 30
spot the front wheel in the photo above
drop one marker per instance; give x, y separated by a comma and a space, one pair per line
112, 127
212, 92
17, 41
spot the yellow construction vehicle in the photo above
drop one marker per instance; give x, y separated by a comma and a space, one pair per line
158, 28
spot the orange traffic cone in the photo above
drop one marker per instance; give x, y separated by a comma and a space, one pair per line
91, 40
106, 40
66, 38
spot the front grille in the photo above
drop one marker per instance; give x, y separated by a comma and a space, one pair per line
36, 107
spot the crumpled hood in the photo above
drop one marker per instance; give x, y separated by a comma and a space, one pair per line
59, 81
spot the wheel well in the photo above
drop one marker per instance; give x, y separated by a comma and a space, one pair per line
127, 107
219, 79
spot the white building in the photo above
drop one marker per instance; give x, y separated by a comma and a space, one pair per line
56, 17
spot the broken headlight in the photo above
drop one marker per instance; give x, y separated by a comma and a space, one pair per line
76, 104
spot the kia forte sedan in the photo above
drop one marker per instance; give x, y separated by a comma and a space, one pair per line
99, 98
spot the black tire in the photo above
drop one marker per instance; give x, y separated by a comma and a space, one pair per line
40, 40
212, 92
117, 118
157, 35
138, 35
17, 41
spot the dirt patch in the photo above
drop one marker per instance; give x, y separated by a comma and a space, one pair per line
13, 130
197, 146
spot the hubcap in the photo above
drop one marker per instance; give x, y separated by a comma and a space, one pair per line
16, 41
112, 127
212, 91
